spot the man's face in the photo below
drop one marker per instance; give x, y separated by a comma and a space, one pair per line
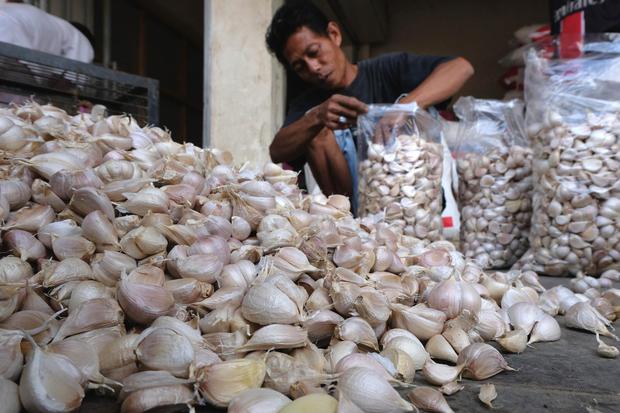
317, 59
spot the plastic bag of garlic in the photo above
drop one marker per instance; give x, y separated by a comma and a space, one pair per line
494, 164
400, 167
573, 120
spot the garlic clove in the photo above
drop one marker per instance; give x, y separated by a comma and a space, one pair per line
73, 247
220, 383
440, 374
88, 199
320, 325
524, 315
188, 290
487, 394
143, 303
152, 351
312, 403
429, 399
39, 388
370, 391
258, 401
88, 290
276, 336
90, 315
481, 361
402, 362
457, 338
97, 228
583, 316
451, 388
422, 321
545, 329
24, 244
58, 229
357, 330
118, 352
165, 397
11, 356
142, 242
9, 394
439, 348
514, 341
30, 218
108, 267
452, 297
266, 304
605, 350
337, 351
362, 360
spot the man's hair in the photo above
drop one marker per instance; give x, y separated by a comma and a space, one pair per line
289, 18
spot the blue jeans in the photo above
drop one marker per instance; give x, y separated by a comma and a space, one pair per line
344, 138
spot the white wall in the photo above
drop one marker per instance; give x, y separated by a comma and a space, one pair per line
479, 30
244, 85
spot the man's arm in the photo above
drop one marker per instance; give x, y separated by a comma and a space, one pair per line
443, 82
292, 141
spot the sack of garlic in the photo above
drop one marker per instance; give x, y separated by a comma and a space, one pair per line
494, 164
400, 167
573, 120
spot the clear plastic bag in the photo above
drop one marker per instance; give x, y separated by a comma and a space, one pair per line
573, 120
400, 169
494, 164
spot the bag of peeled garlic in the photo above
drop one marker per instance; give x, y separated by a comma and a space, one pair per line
494, 164
400, 166
573, 120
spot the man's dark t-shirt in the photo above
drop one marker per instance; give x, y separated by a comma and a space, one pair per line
379, 80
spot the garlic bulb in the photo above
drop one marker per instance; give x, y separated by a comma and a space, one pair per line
452, 297
481, 361
220, 383
429, 399
258, 401
370, 391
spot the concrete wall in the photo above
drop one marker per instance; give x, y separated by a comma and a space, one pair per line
244, 85
479, 30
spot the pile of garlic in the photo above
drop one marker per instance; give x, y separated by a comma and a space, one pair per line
403, 184
161, 274
495, 201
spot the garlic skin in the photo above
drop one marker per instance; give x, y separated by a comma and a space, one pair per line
258, 401
370, 391
487, 394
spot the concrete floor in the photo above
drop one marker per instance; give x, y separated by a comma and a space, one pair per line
564, 376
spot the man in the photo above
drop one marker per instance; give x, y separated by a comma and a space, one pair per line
28, 26
317, 125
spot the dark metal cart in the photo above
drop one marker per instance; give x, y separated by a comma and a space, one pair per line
29, 74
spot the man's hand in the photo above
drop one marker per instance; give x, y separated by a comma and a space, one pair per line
339, 111
389, 126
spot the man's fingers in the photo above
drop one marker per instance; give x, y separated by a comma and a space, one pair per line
352, 103
341, 110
